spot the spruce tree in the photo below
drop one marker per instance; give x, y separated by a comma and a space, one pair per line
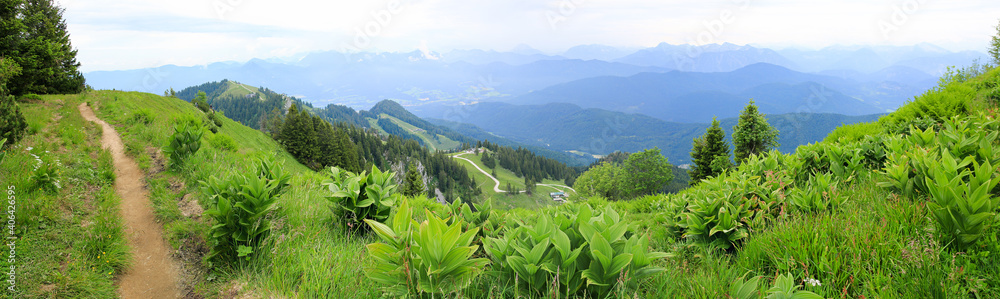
414, 182
752, 134
12, 123
706, 150
43, 49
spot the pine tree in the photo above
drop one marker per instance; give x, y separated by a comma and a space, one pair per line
752, 134
706, 149
348, 157
42, 50
12, 123
414, 182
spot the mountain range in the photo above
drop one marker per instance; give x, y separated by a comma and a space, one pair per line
884, 77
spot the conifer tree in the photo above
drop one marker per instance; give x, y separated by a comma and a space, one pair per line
12, 122
706, 150
414, 182
42, 48
752, 134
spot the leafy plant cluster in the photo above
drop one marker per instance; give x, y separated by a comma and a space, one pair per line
242, 209
955, 168
784, 287
184, 143
572, 251
359, 196
435, 256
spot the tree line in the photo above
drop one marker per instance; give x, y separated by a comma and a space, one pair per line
525, 163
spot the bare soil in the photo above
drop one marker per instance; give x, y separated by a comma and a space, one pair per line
153, 274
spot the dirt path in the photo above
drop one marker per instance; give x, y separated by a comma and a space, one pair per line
153, 273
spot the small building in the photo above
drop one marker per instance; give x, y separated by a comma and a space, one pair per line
558, 196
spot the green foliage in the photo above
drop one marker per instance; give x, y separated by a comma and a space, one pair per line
784, 287
223, 142
820, 194
201, 102
242, 210
3, 152
640, 174
431, 257
30, 97
46, 175
12, 123
184, 143
575, 249
643, 173
598, 181
356, 197
962, 201
141, 116
710, 154
37, 39
994, 48
752, 134
413, 184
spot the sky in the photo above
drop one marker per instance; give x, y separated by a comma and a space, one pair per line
118, 35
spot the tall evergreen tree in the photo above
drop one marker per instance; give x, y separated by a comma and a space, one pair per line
413, 185
43, 49
752, 134
348, 152
707, 149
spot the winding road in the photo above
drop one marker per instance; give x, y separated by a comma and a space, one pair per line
496, 188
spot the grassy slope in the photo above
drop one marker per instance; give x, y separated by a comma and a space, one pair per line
539, 199
877, 246
236, 89
71, 241
443, 143
304, 258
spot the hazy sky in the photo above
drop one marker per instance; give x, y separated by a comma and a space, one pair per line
115, 34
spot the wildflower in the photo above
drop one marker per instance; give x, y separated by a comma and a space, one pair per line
812, 282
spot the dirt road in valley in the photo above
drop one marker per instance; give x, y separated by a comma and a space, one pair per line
153, 273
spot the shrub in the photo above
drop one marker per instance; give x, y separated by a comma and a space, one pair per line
241, 208
223, 142
431, 257
185, 142
30, 97
12, 123
357, 197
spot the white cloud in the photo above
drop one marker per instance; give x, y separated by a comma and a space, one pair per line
132, 34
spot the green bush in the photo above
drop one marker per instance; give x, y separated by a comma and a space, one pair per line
223, 142
241, 208
431, 257
185, 142
12, 123
30, 97
356, 197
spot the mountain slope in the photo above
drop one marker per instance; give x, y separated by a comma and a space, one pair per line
570, 128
